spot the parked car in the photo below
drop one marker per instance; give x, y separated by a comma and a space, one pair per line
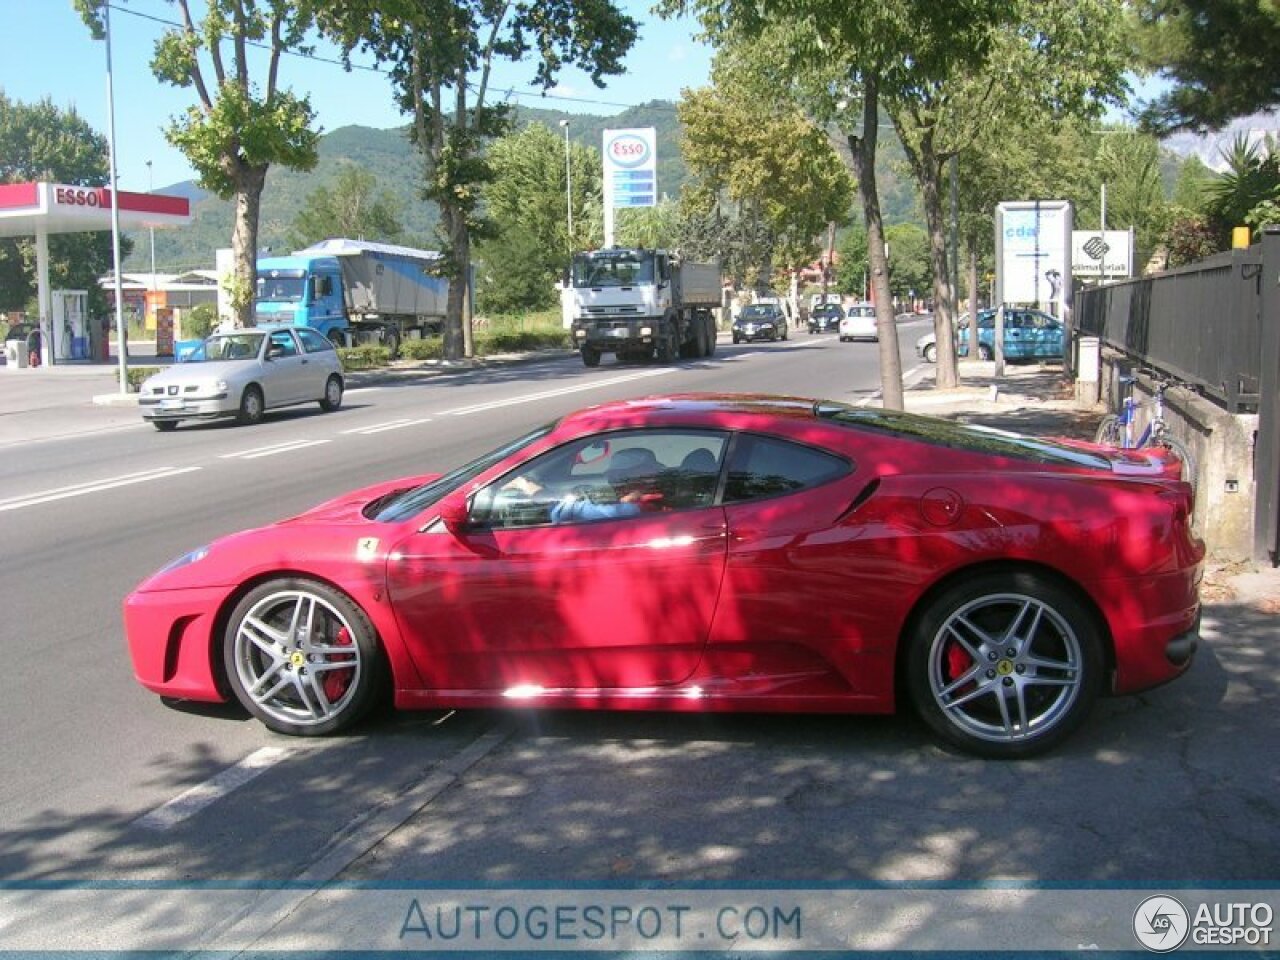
1028, 335
243, 374
825, 317
760, 321
972, 573
859, 323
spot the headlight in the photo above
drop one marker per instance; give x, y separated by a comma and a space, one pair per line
220, 386
195, 556
646, 331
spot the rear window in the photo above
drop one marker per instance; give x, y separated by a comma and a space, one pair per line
766, 466
960, 436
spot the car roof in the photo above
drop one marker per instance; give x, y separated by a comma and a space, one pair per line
710, 408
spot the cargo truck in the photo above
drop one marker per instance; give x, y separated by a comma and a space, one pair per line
642, 305
354, 292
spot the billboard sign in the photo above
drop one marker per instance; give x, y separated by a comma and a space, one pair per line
1033, 245
1095, 252
630, 167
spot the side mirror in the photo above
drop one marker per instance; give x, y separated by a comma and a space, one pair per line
454, 515
274, 351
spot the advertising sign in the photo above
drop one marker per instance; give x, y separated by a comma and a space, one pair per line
1033, 242
630, 172
1095, 253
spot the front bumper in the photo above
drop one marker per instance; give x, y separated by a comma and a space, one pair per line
610, 335
756, 331
181, 408
172, 643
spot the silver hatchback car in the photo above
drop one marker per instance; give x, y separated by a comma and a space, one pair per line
243, 374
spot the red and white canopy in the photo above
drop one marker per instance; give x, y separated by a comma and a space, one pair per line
29, 209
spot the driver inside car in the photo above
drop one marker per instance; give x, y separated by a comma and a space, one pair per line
629, 481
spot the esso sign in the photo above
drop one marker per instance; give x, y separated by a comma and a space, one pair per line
628, 150
81, 197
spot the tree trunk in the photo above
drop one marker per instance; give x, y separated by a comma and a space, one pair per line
459, 256
973, 296
928, 170
249, 182
860, 152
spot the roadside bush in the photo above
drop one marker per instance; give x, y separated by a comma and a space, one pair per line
364, 358
136, 375
489, 342
428, 348
199, 321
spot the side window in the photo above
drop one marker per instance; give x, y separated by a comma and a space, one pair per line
608, 477
768, 466
312, 342
282, 344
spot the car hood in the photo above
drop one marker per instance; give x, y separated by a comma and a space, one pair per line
203, 370
349, 508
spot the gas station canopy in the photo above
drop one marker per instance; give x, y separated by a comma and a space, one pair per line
31, 209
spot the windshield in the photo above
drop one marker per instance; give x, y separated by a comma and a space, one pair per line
281, 285
623, 269
960, 436
412, 502
242, 345
757, 311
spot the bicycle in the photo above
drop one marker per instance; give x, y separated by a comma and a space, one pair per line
1116, 429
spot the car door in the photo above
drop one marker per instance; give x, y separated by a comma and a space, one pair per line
516, 602
319, 360
784, 613
285, 375
1016, 345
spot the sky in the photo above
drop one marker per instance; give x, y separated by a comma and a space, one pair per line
46, 51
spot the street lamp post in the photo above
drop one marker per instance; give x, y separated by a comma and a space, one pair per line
568, 183
151, 188
122, 337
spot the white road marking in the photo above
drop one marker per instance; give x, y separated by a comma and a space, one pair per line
560, 392
190, 802
389, 425
93, 486
272, 450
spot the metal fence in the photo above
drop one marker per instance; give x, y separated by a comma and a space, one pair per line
1201, 323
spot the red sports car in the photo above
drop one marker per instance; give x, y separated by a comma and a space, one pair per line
706, 552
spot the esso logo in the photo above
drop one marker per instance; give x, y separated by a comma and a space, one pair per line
628, 150
80, 197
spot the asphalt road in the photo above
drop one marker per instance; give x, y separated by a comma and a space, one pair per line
104, 782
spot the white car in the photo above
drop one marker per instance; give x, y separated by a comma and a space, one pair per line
242, 374
859, 323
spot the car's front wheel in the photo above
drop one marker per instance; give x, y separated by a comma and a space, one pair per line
332, 398
251, 405
301, 657
1005, 665
164, 426
931, 353
985, 352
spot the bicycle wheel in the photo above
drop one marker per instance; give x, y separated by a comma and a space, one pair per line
1110, 431
1183, 453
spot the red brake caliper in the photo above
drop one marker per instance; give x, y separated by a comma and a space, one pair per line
337, 681
958, 661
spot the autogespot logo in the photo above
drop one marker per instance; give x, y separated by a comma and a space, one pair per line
1161, 924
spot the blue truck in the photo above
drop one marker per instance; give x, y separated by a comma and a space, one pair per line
354, 292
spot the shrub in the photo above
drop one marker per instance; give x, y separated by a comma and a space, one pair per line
199, 321
136, 375
364, 358
428, 348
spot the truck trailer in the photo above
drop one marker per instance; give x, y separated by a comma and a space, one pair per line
354, 292
642, 305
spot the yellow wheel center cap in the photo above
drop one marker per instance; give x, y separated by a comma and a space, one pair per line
298, 658
1004, 667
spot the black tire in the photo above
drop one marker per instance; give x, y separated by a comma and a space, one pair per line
736, 338
164, 426
985, 352
590, 357
785, 332
252, 406
1183, 453
981, 681
1110, 431
391, 340
667, 349
332, 398
279, 671
712, 333
930, 353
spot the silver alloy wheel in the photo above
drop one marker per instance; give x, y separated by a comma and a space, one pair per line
288, 646
1005, 667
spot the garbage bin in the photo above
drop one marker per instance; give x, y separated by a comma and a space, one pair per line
15, 354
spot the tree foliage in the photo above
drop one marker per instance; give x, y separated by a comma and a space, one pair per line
40, 141
1220, 55
351, 205
440, 54
237, 128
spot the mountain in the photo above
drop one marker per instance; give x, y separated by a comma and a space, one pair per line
390, 157
1212, 147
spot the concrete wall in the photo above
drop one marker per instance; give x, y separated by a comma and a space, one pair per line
1223, 445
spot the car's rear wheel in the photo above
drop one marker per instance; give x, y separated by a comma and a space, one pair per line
301, 657
984, 352
251, 405
1005, 665
332, 398
590, 357
931, 353
164, 426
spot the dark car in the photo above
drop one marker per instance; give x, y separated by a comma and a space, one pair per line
760, 321
825, 318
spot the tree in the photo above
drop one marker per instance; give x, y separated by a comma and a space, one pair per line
233, 134
1220, 54
42, 142
1251, 181
851, 261
440, 54
839, 61
348, 206
910, 265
